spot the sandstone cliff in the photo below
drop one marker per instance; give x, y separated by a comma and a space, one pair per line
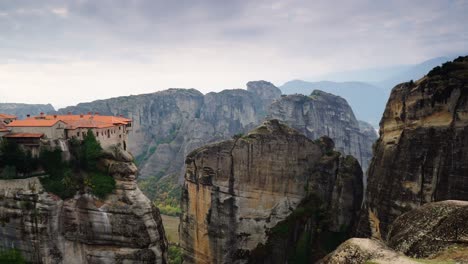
124, 228
326, 114
270, 196
422, 151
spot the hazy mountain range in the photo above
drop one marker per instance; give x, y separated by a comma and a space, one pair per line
365, 90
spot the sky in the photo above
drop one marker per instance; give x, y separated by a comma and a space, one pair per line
65, 52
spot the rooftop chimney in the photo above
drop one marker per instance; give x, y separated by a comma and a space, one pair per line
89, 113
28, 115
42, 113
81, 115
69, 113
55, 116
96, 113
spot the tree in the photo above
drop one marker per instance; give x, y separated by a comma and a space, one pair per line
91, 151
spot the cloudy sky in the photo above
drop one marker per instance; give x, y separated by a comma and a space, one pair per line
65, 52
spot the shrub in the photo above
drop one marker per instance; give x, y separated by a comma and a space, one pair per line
174, 254
12, 155
101, 185
11, 256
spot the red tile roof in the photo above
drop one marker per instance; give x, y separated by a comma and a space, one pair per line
3, 127
24, 135
32, 123
87, 124
7, 116
72, 121
87, 121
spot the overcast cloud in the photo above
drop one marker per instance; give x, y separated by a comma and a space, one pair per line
66, 52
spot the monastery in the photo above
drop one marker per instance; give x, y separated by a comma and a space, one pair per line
36, 130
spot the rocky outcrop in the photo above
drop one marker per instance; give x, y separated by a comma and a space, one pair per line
123, 228
270, 196
433, 233
431, 229
264, 90
422, 151
326, 114
364, 250
22, 110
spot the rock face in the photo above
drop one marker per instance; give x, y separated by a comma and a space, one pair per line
437, 232
267, 197
264, 90
327, 114
21, 110
124, 228
430, 229
422, 151
169, 124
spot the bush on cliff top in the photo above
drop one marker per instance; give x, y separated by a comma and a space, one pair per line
66, 178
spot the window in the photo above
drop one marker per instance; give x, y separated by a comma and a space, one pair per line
108, 133
77, 134
83, 134
97, 134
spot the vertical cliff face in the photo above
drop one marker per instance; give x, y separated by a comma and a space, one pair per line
123, 228
169, 124
266, 197
326, 114
421, 154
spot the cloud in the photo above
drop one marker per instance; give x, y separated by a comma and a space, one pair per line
213, 44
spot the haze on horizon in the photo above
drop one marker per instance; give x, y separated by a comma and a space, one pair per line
66, 52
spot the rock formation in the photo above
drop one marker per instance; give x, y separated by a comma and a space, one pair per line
270, 196
21, 110
435, 232
327, 114
170, 124
422, 151
431, 229
124, 228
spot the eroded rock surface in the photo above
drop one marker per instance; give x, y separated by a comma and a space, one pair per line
124, 228
421, 155
430, 229
267, 197
433, 233
324, 114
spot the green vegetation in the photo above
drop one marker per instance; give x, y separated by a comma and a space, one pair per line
164, 192
11, 256
174, 254
62, 178
101, 185
81, 173
15, 161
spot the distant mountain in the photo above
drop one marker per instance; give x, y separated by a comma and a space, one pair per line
367, 100
368, 91
21, 110
413, 73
